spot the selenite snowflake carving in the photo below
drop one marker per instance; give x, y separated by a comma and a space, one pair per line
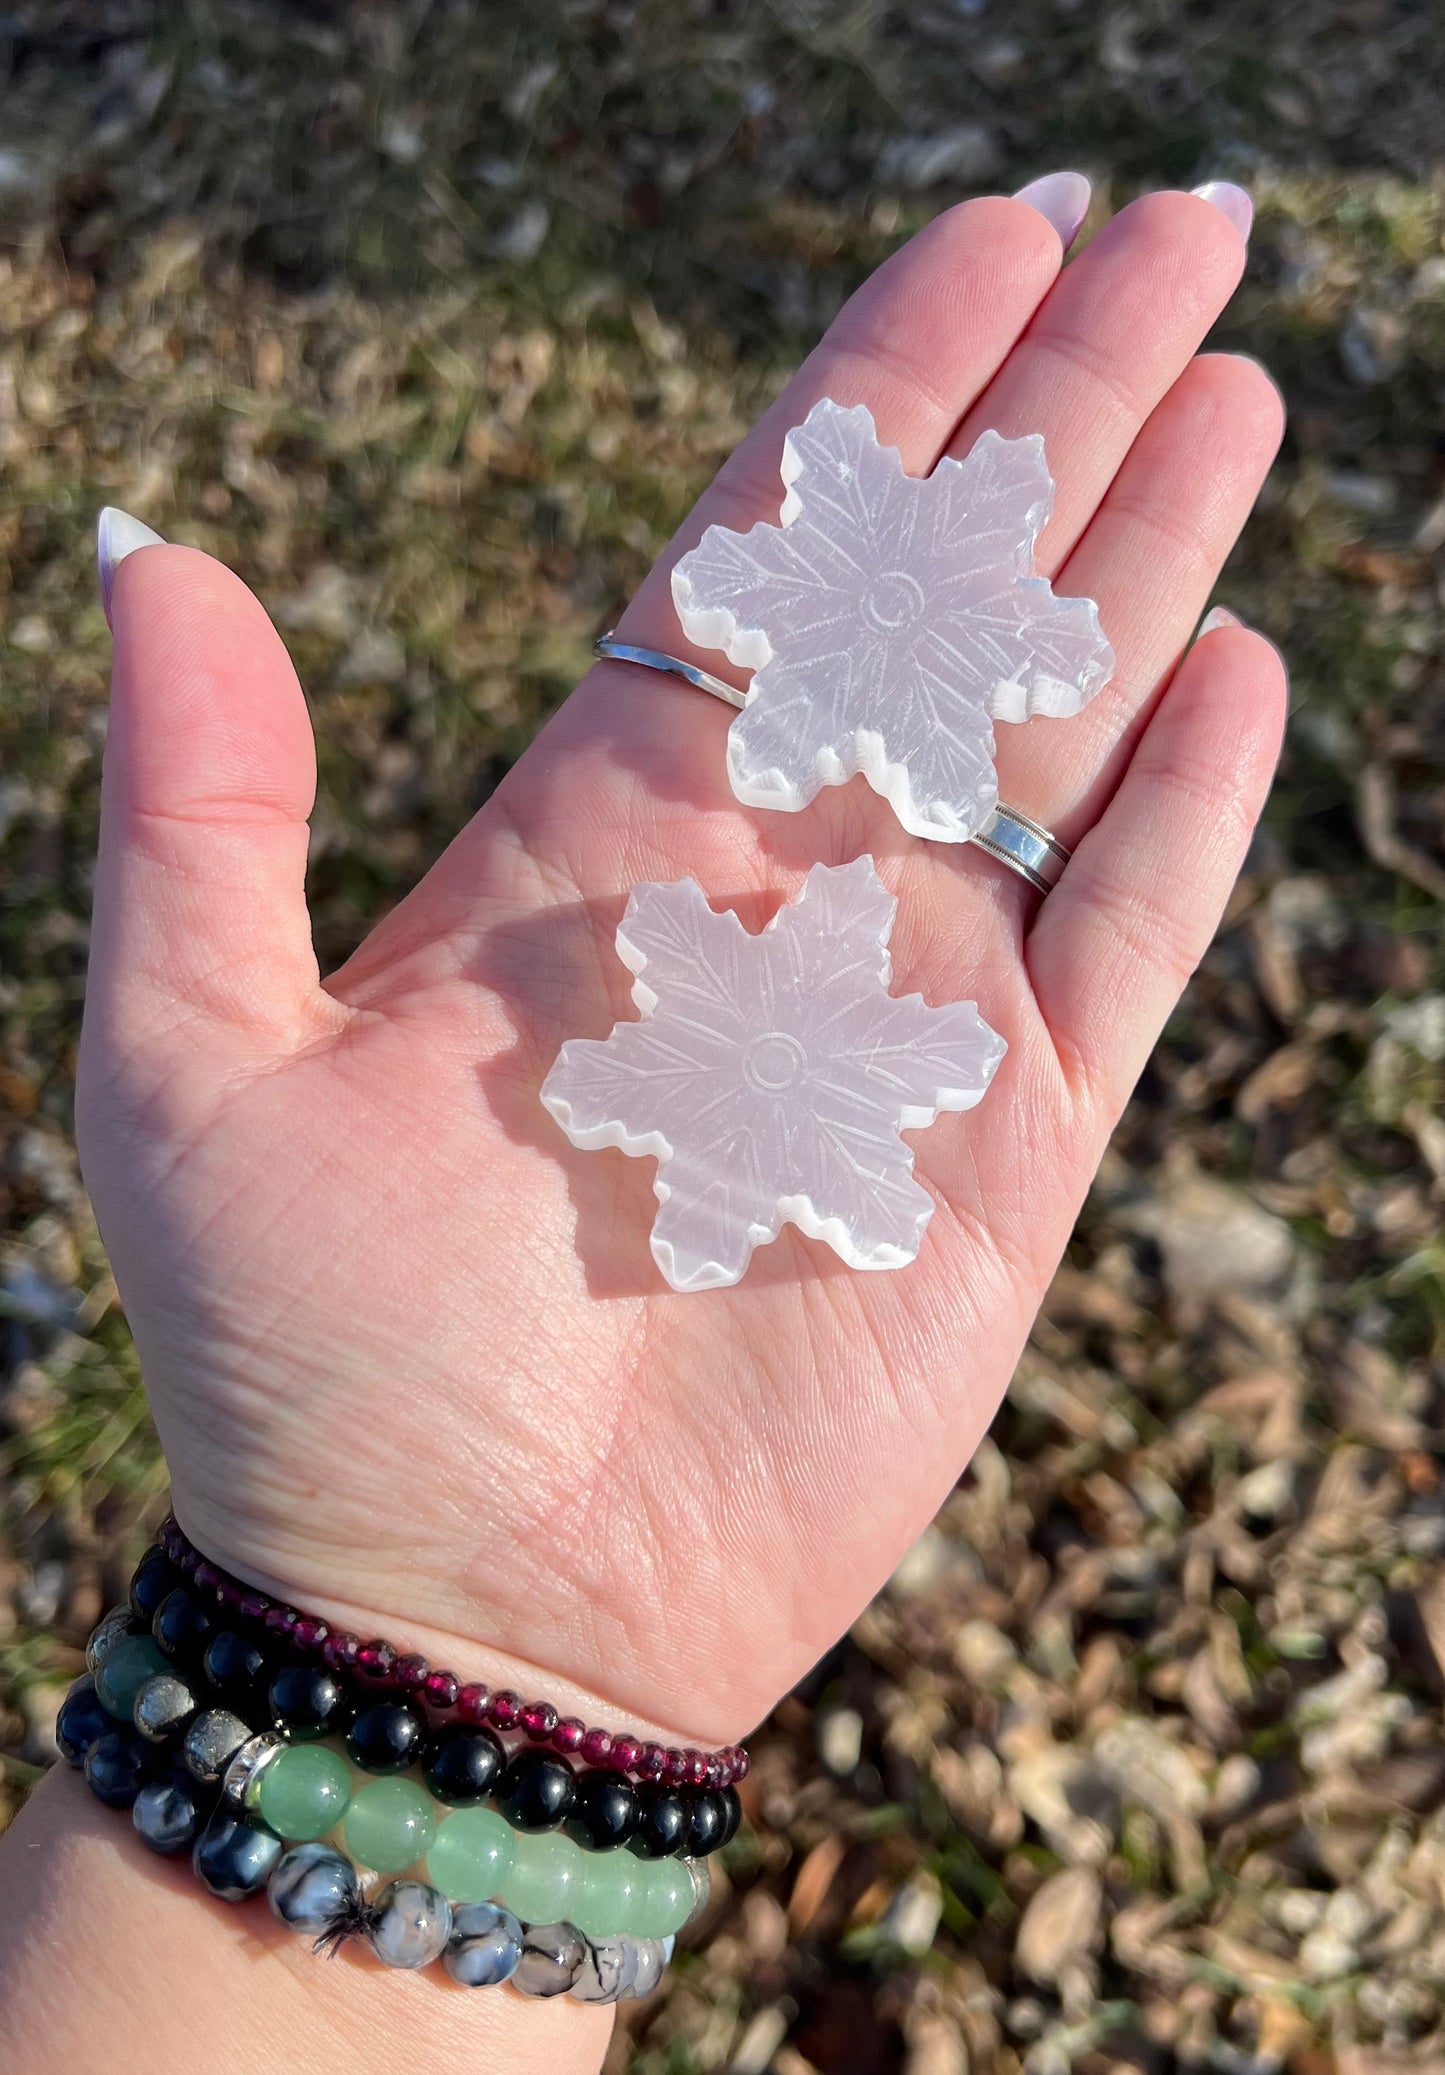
890, 620
770, 1075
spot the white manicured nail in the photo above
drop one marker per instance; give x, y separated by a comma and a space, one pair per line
1232, 201
1062, 199
117, 535
1219, 616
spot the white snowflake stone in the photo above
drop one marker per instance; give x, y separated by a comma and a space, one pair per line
890, 620
770, 1076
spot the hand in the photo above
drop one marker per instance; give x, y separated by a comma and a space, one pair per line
408, 1352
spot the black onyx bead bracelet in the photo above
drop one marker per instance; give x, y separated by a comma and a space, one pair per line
219, 1662
175, 1560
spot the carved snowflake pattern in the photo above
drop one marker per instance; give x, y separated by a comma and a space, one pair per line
770, 1076
890, 620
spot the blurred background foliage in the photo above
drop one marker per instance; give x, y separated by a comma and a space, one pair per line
432, 318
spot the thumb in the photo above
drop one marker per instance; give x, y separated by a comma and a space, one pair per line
200, 933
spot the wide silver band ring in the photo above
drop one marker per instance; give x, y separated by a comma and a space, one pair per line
1025, 846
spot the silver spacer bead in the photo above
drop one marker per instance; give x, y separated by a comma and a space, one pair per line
242, 1782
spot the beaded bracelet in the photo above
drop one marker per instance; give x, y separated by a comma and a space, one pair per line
535, 1790
379, 1662
315, 1888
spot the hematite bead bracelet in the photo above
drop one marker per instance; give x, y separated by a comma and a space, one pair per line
175, 1561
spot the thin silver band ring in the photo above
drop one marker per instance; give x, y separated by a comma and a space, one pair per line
1025, 846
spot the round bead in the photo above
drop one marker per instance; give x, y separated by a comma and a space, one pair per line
280, 1620
472, 1854
651, 1965
439, 1690
163, 1707
211, 1742
116, 1627
703, 1833
389, 1824
651, 1762
312, 1888
254, 1606
473, 1702
661, 1822
545, 1877
125, 1671
83, 1720
117, 1766
169, 1815
536, 1791
597, 1747
504, 1710
207, 1575
341, 1652
485, 1945
387, 1736
411, 1673
306, 1702
182, 1625
538, 1720
604, 1811
741, 1764
701, 1875
607, 1972
463, 1766
696, 1772
611, 1893
732, 1816
674, 1765
155, 1577
310, 1633
410, 1924
571, 1735
552, 1957
376, 1660
626, 1753
235, 1859
304, 1791
235, 1666
668, 1901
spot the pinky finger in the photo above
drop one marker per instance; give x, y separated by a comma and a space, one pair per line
1133, 915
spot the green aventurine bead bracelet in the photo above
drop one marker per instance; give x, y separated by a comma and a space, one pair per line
305, 1791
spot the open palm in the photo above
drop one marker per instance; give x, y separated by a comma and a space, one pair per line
410, 1356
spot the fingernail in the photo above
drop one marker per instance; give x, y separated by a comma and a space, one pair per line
1232, 200
1062, 199
1219, 616
117, 535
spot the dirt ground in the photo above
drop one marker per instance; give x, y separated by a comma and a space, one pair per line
431, 319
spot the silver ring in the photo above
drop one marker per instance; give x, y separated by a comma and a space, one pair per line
1025, 846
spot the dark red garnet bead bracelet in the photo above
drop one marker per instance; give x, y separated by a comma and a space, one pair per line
379, 1664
